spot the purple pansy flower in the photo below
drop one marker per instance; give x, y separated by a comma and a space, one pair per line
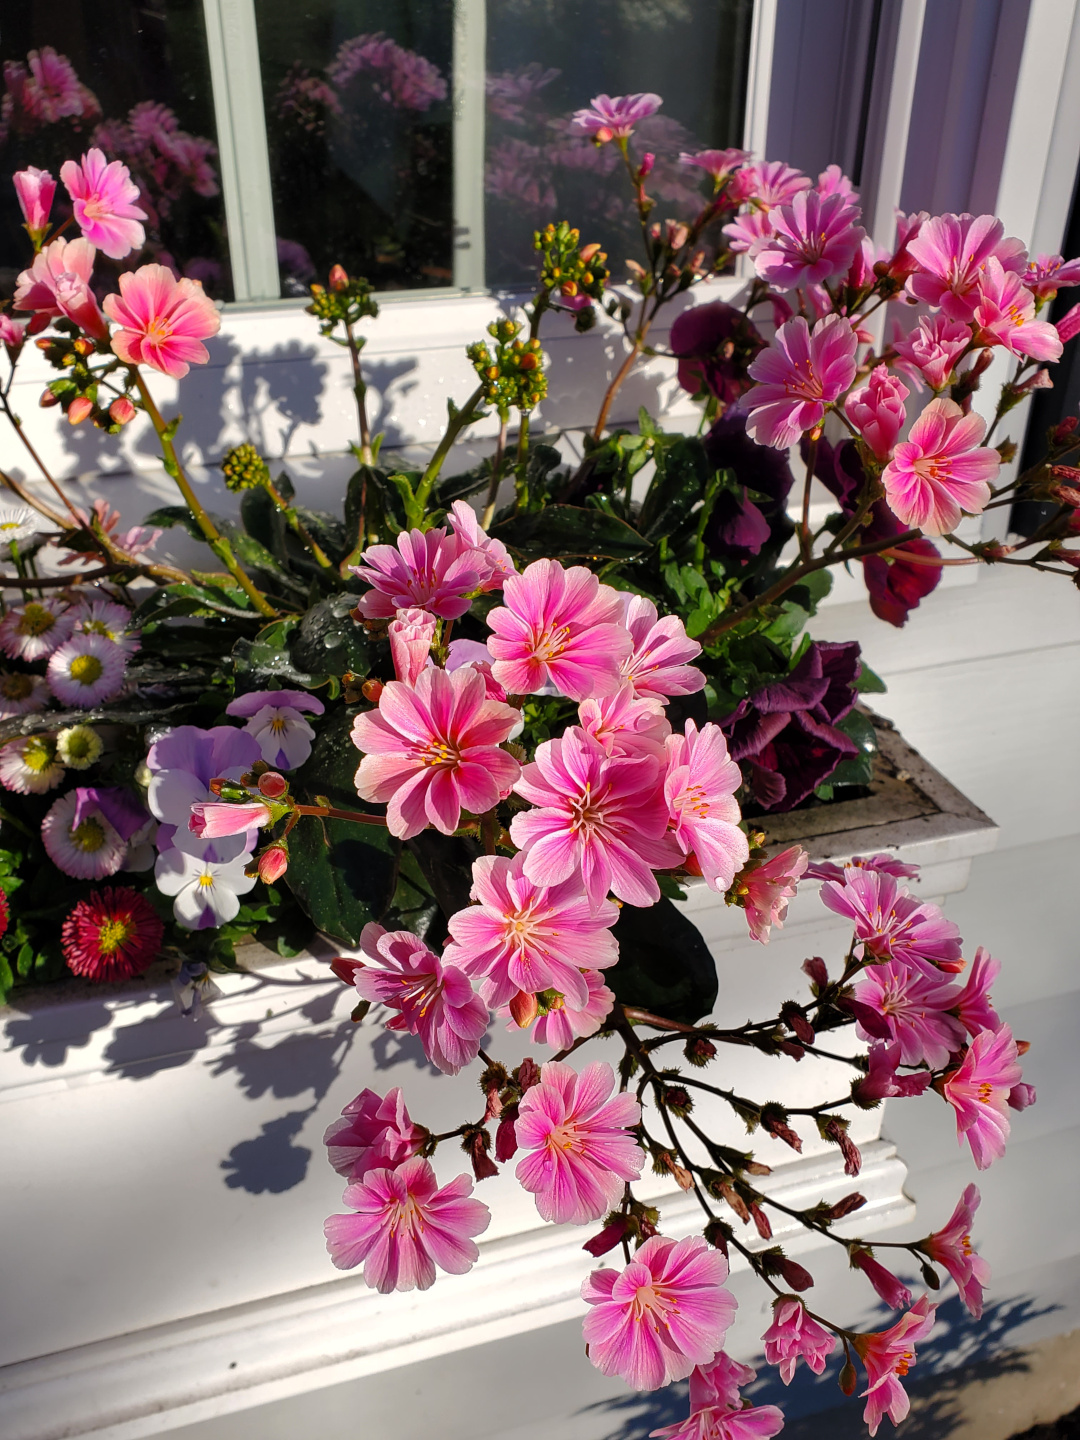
183, 763
275, 719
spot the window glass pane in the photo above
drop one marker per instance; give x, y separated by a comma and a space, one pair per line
357, 96
132, 77
548, 58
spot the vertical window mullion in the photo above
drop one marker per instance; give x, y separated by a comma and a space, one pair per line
469, 101
232, 41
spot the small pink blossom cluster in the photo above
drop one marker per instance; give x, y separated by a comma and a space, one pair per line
399, 77
43, 92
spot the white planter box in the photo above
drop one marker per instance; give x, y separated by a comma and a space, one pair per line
164, 1181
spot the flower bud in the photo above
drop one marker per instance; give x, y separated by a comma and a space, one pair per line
648, 160
371, 690
272, 785
122, 411
699, 1051
523, 1008
527, 1075
848, 1379
48, 400
339, 278
506, 1136
79, 409
608, 1237
83, 346
1064, 429
345, 968
273, 862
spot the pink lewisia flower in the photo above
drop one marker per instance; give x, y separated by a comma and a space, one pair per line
979, 1092
162, 321
883, 862
716, 1408
103, 196
524, 936
951, 252
951, 1246
769, 182
559, 626
425, 571
747, 234
833, 181
764, 890
700, 791
891, 924
374, 1132
876, 410
410, 634
661, 647
974, 1005
614, 117
432, 749
1045, 275
405, 1226
800, 373
717, 163
814, 239
559, 1024
1005, 316
433, 1000
914, 1007
601, 816
891, 1290
34, 630
35, 190
882, 1081
58, 283
54, 91
582, 1149
491, 556
211, 819
666, 1312
888, 1357
792, 1335
932, 349
940, 470
625, 724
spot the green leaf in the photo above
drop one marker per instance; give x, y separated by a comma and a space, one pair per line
169, 515
330, 642
856, 769
868, 682
570, 531
264, 521
682, 473
342, 874
664, 964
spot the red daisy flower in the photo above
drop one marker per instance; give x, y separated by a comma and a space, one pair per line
113, 935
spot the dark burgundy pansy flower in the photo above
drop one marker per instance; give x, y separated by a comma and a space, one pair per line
715, 344
740, 527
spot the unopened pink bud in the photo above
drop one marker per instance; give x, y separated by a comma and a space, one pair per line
273, 862
523, 1008
1064, 428
79, 409
122, 411
48, 400
35, 189
648, 160
345, 968
272, 785
339, 278
1069, 324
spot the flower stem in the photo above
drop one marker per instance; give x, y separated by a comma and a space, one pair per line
297, 526
360, 391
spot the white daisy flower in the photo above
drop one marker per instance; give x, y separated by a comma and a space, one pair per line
86, 670
105, 617
30, 766
78, 747
22, 694
206, 891
34, 630
89, 849
19, 523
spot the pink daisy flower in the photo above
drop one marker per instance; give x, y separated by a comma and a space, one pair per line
793, 1336
434, 1001
951, 1246
22, 694
524, 936
411, 634
626, 724
666, 1312
84, 845
717, 1411
974, 1005
951, 252
979, 1093
603, 817
34, 630
559, 1024
764, 890
373, 1133
1005, 316
614, 117
161, 321
35, 190
58, 283
103, 197
876, 410
579, 1136
801, 372
888, 1357
657, 667
114, 934
932, 350
424, 570
405, 1226
1044, 276
700, 791
559, 626
891, 924
815, 238
30, 766
98, 616
914, 1007
433, 749
86, 670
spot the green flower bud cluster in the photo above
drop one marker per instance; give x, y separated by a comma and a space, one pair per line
347, 299
569, 269
244, 468
514, 374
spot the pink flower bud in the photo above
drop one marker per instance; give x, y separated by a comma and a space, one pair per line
272, 785
1064, 428
35, 189
211, 820
891, 1290
815, 969
523, 1008
79, 409
607, 1239
48, 400
122, 411
877, 410
1021, 1096
339, 278
411, 634
345, 968
12, 334
505, 1136
273, 862
1069, 324
648, 160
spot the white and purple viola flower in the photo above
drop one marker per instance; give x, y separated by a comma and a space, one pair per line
276, 719
182, 764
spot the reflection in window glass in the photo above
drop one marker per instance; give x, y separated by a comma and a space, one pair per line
548, 58
357, 96
131, 77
